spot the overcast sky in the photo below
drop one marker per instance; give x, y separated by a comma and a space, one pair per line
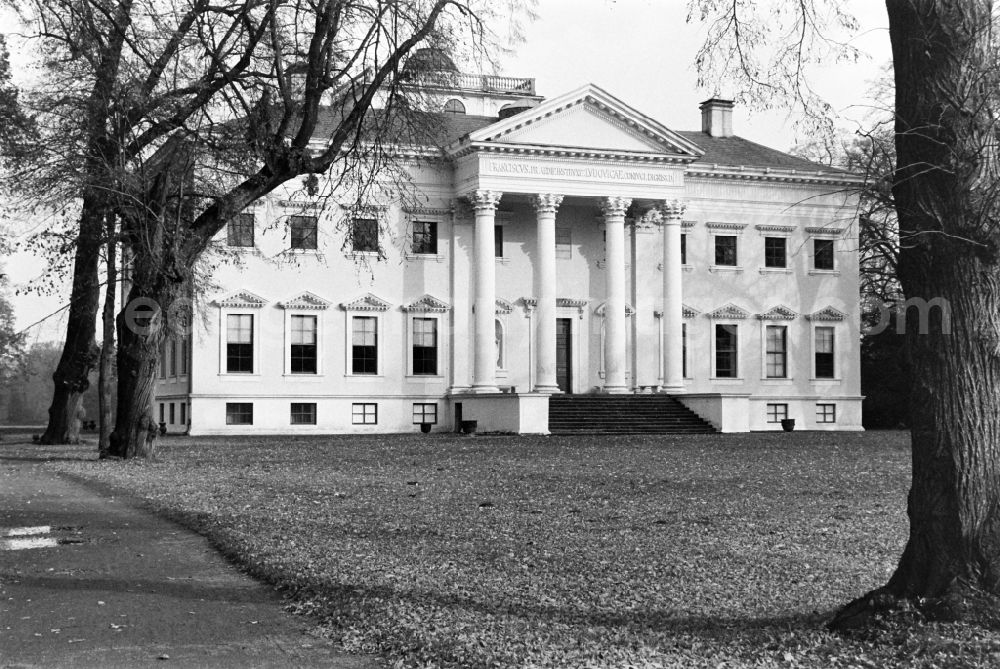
642, 52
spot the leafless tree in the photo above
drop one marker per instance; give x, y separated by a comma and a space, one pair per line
185, 114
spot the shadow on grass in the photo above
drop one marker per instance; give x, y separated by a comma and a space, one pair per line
194, 589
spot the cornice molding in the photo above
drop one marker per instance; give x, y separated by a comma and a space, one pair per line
305, 301
728, 311
741, 173
689, 312
775, 228
503, 306
718, 225
243, 299
778, 312
367, 302
832, 232
826, 314
428, 303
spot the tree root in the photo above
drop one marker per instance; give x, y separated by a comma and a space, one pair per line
962, 603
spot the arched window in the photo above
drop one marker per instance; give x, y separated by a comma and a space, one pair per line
498, 337
454, 106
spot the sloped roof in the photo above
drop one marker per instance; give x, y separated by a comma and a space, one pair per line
736, 152
420, 128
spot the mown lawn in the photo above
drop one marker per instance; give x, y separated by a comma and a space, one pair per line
718, 551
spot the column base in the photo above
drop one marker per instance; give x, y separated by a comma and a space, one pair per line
484, 390
458, 390
616, 390
547, 390
673, 389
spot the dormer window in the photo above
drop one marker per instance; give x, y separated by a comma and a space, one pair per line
454, 106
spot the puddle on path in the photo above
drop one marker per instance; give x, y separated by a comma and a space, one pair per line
22, 538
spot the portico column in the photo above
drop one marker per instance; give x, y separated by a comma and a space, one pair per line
673, 310
484, 374
545, 288
614, 308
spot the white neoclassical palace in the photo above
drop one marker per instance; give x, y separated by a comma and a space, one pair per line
570, 245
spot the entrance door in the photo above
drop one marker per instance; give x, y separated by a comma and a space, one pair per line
564, 354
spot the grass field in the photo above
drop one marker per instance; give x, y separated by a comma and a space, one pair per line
717, 551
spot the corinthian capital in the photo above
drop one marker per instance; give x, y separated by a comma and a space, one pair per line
547, 203
484, 200
673, 210
615, 206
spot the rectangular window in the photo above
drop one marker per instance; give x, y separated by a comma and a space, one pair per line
777, 413
425, 413
684, 249
239, 413
425, 346
725, 250
303, 353
184, 355
826, 413
364, 345
364, 414
823, 254
726, 351
425, 238
498, 241
172, 356
172, 415
777, 351
304, 232
774, 252
303, 413
239, 344
824, 353
163, 361
364, 235
163, 418
184, 413
684, 350
239, 231
564, 242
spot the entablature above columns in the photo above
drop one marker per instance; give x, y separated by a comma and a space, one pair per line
568, 177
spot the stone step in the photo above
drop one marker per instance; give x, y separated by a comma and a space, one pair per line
623, 414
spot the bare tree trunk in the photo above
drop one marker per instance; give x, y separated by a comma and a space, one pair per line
79, 351
105, 381
946, 87
79, 355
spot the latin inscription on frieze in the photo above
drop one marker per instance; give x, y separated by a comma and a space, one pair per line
584, 172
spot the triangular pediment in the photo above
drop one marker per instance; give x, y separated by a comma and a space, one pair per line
503, 306
305, 300
827, 314
587, 118
428, 303
367, 302
242, 299
729, 311
689, 312
778, 312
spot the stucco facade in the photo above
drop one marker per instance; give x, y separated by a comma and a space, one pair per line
576, 246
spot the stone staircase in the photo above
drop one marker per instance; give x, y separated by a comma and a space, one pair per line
623, 414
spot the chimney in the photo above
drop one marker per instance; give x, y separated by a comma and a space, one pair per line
717, 117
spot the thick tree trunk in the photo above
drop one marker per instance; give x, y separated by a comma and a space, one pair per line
105, 380
946, 87
79, 351
139, 345
79, 356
